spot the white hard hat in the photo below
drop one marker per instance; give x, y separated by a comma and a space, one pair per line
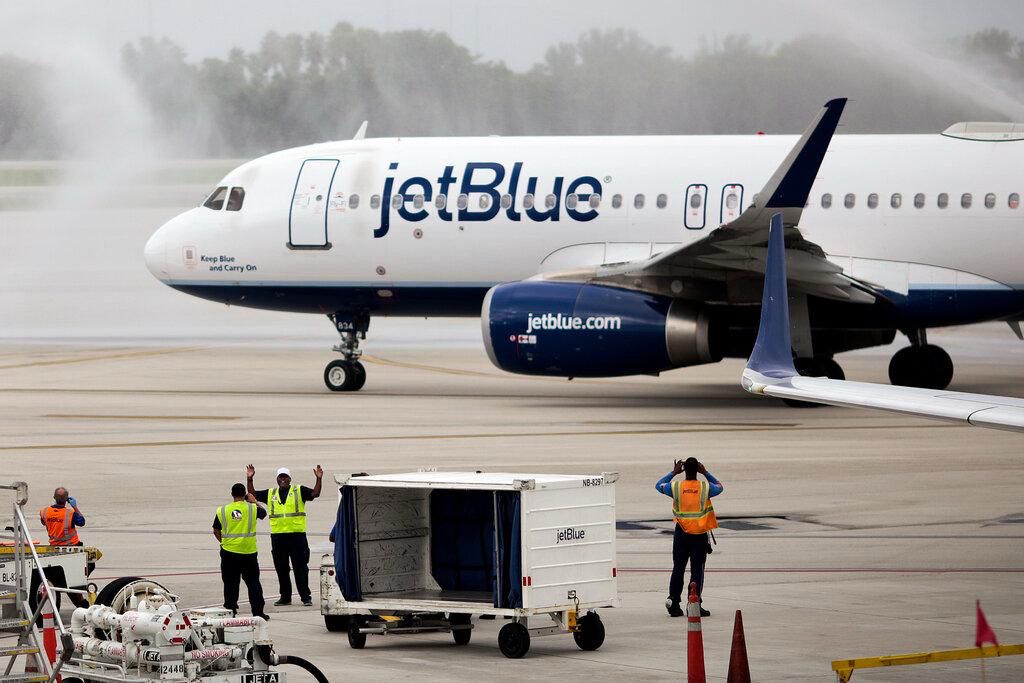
285, 471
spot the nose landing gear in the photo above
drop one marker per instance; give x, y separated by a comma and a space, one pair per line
347, 374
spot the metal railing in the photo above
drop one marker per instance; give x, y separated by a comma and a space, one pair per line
23, 548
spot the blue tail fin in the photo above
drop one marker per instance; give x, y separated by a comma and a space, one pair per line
772, 355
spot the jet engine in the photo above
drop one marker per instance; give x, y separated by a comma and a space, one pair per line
579, 330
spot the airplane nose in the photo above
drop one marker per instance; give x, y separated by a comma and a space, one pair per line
156, 254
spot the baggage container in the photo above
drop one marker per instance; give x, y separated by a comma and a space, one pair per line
427, 551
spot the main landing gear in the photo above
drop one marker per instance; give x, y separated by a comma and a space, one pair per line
347, 374
921, 364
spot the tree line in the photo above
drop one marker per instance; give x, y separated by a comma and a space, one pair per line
296, 89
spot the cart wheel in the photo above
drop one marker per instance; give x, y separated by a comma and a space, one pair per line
461, 635
514, 640
356, 639
336, 623
589, 633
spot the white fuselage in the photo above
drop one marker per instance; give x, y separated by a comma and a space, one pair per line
276, 242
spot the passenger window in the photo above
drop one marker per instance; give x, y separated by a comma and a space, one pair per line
850, 200
396, 201
463, 201
943, 200
896, 201
527, 201
353, 201
616, 201
662, 200
695, 200
873, 201
375, 201
506, 201
216, 200
1013, 201
595, 201
571, 201
826, 201
440, 201
919, 200
732, 199
990, 201
235, 199
417, 201
638, 201
485, 201
549, 201
966, 200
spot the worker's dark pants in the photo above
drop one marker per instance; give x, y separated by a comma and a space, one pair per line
235, 566
692, 548
292, 548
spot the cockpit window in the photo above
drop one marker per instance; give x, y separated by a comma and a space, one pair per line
235, 199
216, 200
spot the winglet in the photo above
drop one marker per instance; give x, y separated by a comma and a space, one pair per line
788, 188
361, 133
794, 177
772, 356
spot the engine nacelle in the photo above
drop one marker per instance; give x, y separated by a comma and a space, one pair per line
577, 330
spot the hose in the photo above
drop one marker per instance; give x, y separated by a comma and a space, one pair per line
304, 664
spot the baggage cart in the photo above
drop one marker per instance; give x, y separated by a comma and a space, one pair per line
428, 551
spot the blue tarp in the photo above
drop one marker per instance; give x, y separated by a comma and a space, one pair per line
462, 540
509, 577
346, 556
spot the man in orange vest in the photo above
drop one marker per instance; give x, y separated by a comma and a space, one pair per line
62, 518
61, 521
694, 516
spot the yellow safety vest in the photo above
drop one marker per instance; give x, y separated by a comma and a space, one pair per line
691, 506
288, 517
238, 527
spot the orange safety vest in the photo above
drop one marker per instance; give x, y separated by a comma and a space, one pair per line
691, 506
60, 525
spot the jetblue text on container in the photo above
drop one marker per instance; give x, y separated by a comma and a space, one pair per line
488, 178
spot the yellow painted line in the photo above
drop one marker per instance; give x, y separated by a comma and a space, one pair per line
73, 416
108, 356
444, 437
377, 360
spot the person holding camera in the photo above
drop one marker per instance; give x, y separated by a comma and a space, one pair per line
695, 517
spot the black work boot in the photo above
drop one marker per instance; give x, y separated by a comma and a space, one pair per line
674, 610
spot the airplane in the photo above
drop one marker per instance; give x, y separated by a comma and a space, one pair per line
770, 370
613, 256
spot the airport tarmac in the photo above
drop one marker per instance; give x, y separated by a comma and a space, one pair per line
844, 533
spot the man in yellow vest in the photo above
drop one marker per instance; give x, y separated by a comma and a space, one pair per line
234, 526
695, 517
286, 509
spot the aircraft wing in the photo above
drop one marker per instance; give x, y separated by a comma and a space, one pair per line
770, 370
732, 257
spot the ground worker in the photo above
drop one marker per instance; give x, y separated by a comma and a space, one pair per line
62, 520
286, 506
234, 526
695, 517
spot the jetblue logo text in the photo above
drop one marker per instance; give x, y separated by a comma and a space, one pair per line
557, 321
484, 183
570, 534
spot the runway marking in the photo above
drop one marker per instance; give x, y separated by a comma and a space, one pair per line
74, 416
377, 360
452, 437
394, 437
839, 570
108, 356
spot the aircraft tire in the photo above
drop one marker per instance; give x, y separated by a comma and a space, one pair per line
924, 367
341, 375
359, 379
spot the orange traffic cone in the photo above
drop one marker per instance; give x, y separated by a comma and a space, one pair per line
739, 670
50, 637
694, 639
